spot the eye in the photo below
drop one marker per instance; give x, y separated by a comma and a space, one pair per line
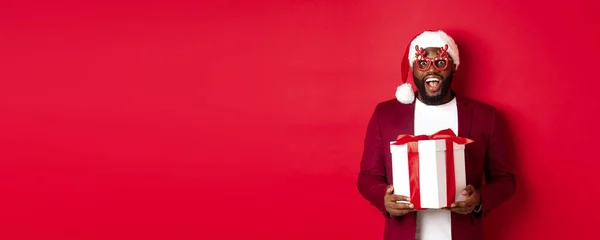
423, 63
440, 63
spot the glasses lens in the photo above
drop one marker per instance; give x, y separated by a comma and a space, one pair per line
441, 64
423, 64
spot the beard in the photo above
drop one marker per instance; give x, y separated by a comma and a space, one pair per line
437, 99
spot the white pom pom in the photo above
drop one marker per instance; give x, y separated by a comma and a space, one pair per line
405, 94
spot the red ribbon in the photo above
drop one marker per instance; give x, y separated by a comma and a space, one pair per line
444, 134
413, 162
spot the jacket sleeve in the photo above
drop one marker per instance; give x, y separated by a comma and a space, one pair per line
500, 179
372, 183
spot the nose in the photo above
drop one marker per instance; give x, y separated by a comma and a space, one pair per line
433, 70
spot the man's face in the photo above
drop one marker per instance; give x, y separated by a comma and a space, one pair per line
434, 83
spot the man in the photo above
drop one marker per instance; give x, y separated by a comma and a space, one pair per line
434, 58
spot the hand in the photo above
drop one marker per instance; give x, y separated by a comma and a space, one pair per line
396, 208
467, 206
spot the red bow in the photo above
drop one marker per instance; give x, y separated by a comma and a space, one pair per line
444, 134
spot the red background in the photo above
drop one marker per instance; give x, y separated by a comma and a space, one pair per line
245, 120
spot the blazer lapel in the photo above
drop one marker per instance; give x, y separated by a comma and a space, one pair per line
464, 117
405, 118
464, 130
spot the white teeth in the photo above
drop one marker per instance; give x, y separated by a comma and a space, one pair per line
432, 79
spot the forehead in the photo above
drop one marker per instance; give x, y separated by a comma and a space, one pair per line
432, 52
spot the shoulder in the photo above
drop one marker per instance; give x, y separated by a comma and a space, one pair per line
391, 106
478, 107
485, 115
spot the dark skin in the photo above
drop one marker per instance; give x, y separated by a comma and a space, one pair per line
433, 97
442, 94
394, 208
468, 206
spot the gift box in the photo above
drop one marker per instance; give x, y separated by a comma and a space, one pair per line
430, 169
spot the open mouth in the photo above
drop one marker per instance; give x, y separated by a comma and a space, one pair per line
433, 83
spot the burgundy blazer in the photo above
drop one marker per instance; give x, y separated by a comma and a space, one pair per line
487, 156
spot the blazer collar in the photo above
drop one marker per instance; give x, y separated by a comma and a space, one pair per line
464, 116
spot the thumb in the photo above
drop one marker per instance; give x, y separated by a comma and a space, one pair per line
389, 190
468, 190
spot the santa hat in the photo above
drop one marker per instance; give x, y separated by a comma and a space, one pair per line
405, 93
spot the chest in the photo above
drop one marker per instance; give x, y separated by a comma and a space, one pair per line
429, 120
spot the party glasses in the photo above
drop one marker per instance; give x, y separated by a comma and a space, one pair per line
440, 63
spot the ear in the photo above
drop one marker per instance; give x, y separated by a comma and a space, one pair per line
453, 64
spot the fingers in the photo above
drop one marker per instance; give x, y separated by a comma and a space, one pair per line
395, 198
401, 205
463, 211
389, 190
468, 190
462, 207
397, 205
399, 209
461, 204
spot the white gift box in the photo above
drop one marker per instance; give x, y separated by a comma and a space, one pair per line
429, 188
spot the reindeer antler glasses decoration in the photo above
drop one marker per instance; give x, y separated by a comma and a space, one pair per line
440, 63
